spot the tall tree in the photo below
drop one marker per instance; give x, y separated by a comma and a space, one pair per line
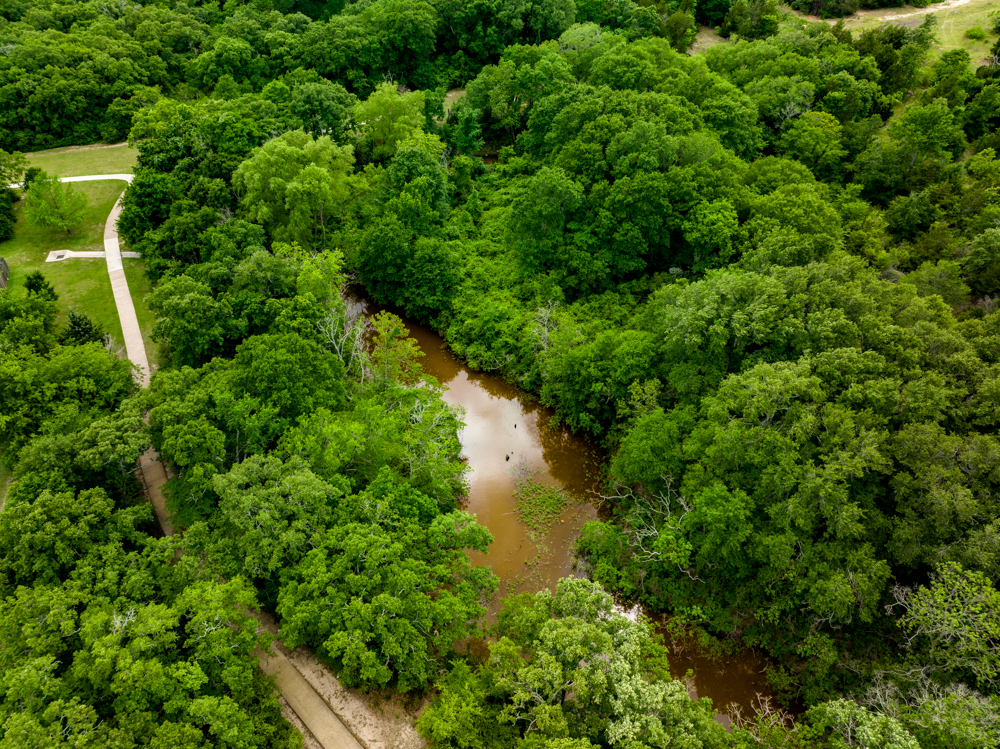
54, 204
297, 187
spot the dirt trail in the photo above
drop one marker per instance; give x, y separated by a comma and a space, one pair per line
311, 707
888, 14
947, 5
307, 687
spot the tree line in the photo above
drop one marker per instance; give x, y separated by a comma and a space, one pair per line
765, 277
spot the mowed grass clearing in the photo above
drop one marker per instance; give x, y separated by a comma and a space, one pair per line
954, 18
954, 22
78, 161
706, 37
81, 283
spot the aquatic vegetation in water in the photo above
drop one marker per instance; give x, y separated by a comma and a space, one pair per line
538, 505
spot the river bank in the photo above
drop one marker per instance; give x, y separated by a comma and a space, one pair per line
509, 435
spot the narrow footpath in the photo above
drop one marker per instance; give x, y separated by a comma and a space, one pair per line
322, 726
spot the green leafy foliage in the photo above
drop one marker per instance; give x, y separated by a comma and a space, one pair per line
295, 186
566, 670
385, 589
54, 204
764, 275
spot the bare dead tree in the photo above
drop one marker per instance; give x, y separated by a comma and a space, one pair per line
344, 329
113, 347
767, 719
113, 9
931, 705
651, 513
988, 304
543, 326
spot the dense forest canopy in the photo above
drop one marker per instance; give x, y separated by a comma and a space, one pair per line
765, 277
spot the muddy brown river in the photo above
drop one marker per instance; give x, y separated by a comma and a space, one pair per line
508, 433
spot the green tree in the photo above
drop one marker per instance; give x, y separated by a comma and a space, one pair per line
567, 666
58, 528
7, 218
387, 118
943, 278
297, 187
324, 108
80, 328
385, 595
815, 140
190, 320
394, 354
228, 56
36, 284
461, 716
956, 622
751, 19
462, 130
926, 132
981, 265
59, 388
12, 168
680, 28
539, 220
270, 514
289, 372
54, 204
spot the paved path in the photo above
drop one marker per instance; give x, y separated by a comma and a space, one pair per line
304, 700
317, 716
314, 712
56, 255
154, 476
131, 331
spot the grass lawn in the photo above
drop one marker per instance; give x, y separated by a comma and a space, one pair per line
707, 37
78, 161
451, 97
953, 23
954, 17
82, 284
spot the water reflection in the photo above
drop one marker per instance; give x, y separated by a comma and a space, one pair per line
508, 430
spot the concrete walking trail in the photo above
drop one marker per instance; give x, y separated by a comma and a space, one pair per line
131, 332
324, 728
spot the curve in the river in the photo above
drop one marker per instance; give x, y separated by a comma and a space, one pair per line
506, 429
